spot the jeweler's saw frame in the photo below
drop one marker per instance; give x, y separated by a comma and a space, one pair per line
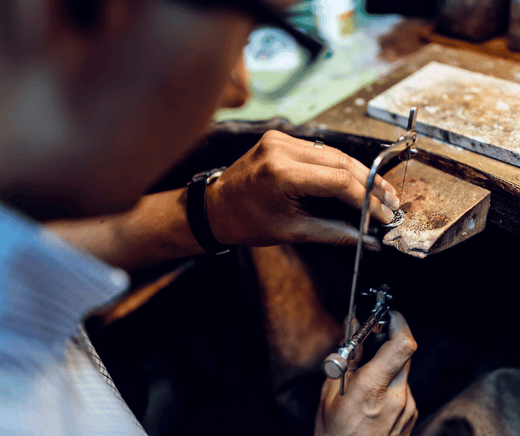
336, 364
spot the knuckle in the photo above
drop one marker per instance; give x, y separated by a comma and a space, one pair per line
272, 136
411, 399
299, 233
267, 143
375, 205
271, 170
278, 176
414, 408
374, 393
373, 405
341, 241
262, 149
275, 167
408, 346
344, 179
372, 411
398, 401
260, 152
344, 161
344, 237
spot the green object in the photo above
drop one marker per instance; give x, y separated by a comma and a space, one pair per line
332, 81
306, 101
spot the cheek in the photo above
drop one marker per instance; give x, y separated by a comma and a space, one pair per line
188, 101
184, 80
190, 92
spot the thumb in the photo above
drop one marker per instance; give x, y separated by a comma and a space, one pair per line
335, 232
394, 354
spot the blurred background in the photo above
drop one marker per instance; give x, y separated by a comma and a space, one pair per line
365, 39
351, 60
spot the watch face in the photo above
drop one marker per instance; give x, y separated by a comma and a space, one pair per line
203, 175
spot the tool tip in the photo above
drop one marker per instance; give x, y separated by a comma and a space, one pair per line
412, 119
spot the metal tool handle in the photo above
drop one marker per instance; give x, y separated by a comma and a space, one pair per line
336, 364
376, 339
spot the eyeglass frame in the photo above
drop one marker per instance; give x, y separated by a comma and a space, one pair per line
264, 14
267, 15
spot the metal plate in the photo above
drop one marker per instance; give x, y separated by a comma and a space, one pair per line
478, 112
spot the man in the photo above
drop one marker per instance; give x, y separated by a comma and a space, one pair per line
100, 100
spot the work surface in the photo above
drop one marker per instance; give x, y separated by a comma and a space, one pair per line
476, 111
441, 210
502, 179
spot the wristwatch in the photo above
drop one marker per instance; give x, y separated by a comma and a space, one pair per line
198, 213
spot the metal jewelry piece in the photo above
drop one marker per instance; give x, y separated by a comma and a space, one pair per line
399, 217
318, 144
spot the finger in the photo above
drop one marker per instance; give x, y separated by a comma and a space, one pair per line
406, 421
354, 325
400, 380
408, 429
394, 355
304, 151
331, 232
306, 180
398, 327
334, 158
394, 394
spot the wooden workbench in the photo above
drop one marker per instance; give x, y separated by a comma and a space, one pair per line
502, 179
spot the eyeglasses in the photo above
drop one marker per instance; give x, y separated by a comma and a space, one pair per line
267, 15
280, 55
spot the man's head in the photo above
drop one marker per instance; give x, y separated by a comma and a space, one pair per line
101, 97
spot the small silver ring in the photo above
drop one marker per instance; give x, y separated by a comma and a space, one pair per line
399, 217
318, 144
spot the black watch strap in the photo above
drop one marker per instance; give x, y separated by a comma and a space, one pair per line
198, 214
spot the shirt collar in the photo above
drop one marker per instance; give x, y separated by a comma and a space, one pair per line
47, 285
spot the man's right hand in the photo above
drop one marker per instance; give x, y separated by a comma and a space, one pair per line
377, 400
259, 200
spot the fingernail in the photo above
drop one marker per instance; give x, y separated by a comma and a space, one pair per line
391, 201
387, 211
373, 247
387, 186
372, 243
